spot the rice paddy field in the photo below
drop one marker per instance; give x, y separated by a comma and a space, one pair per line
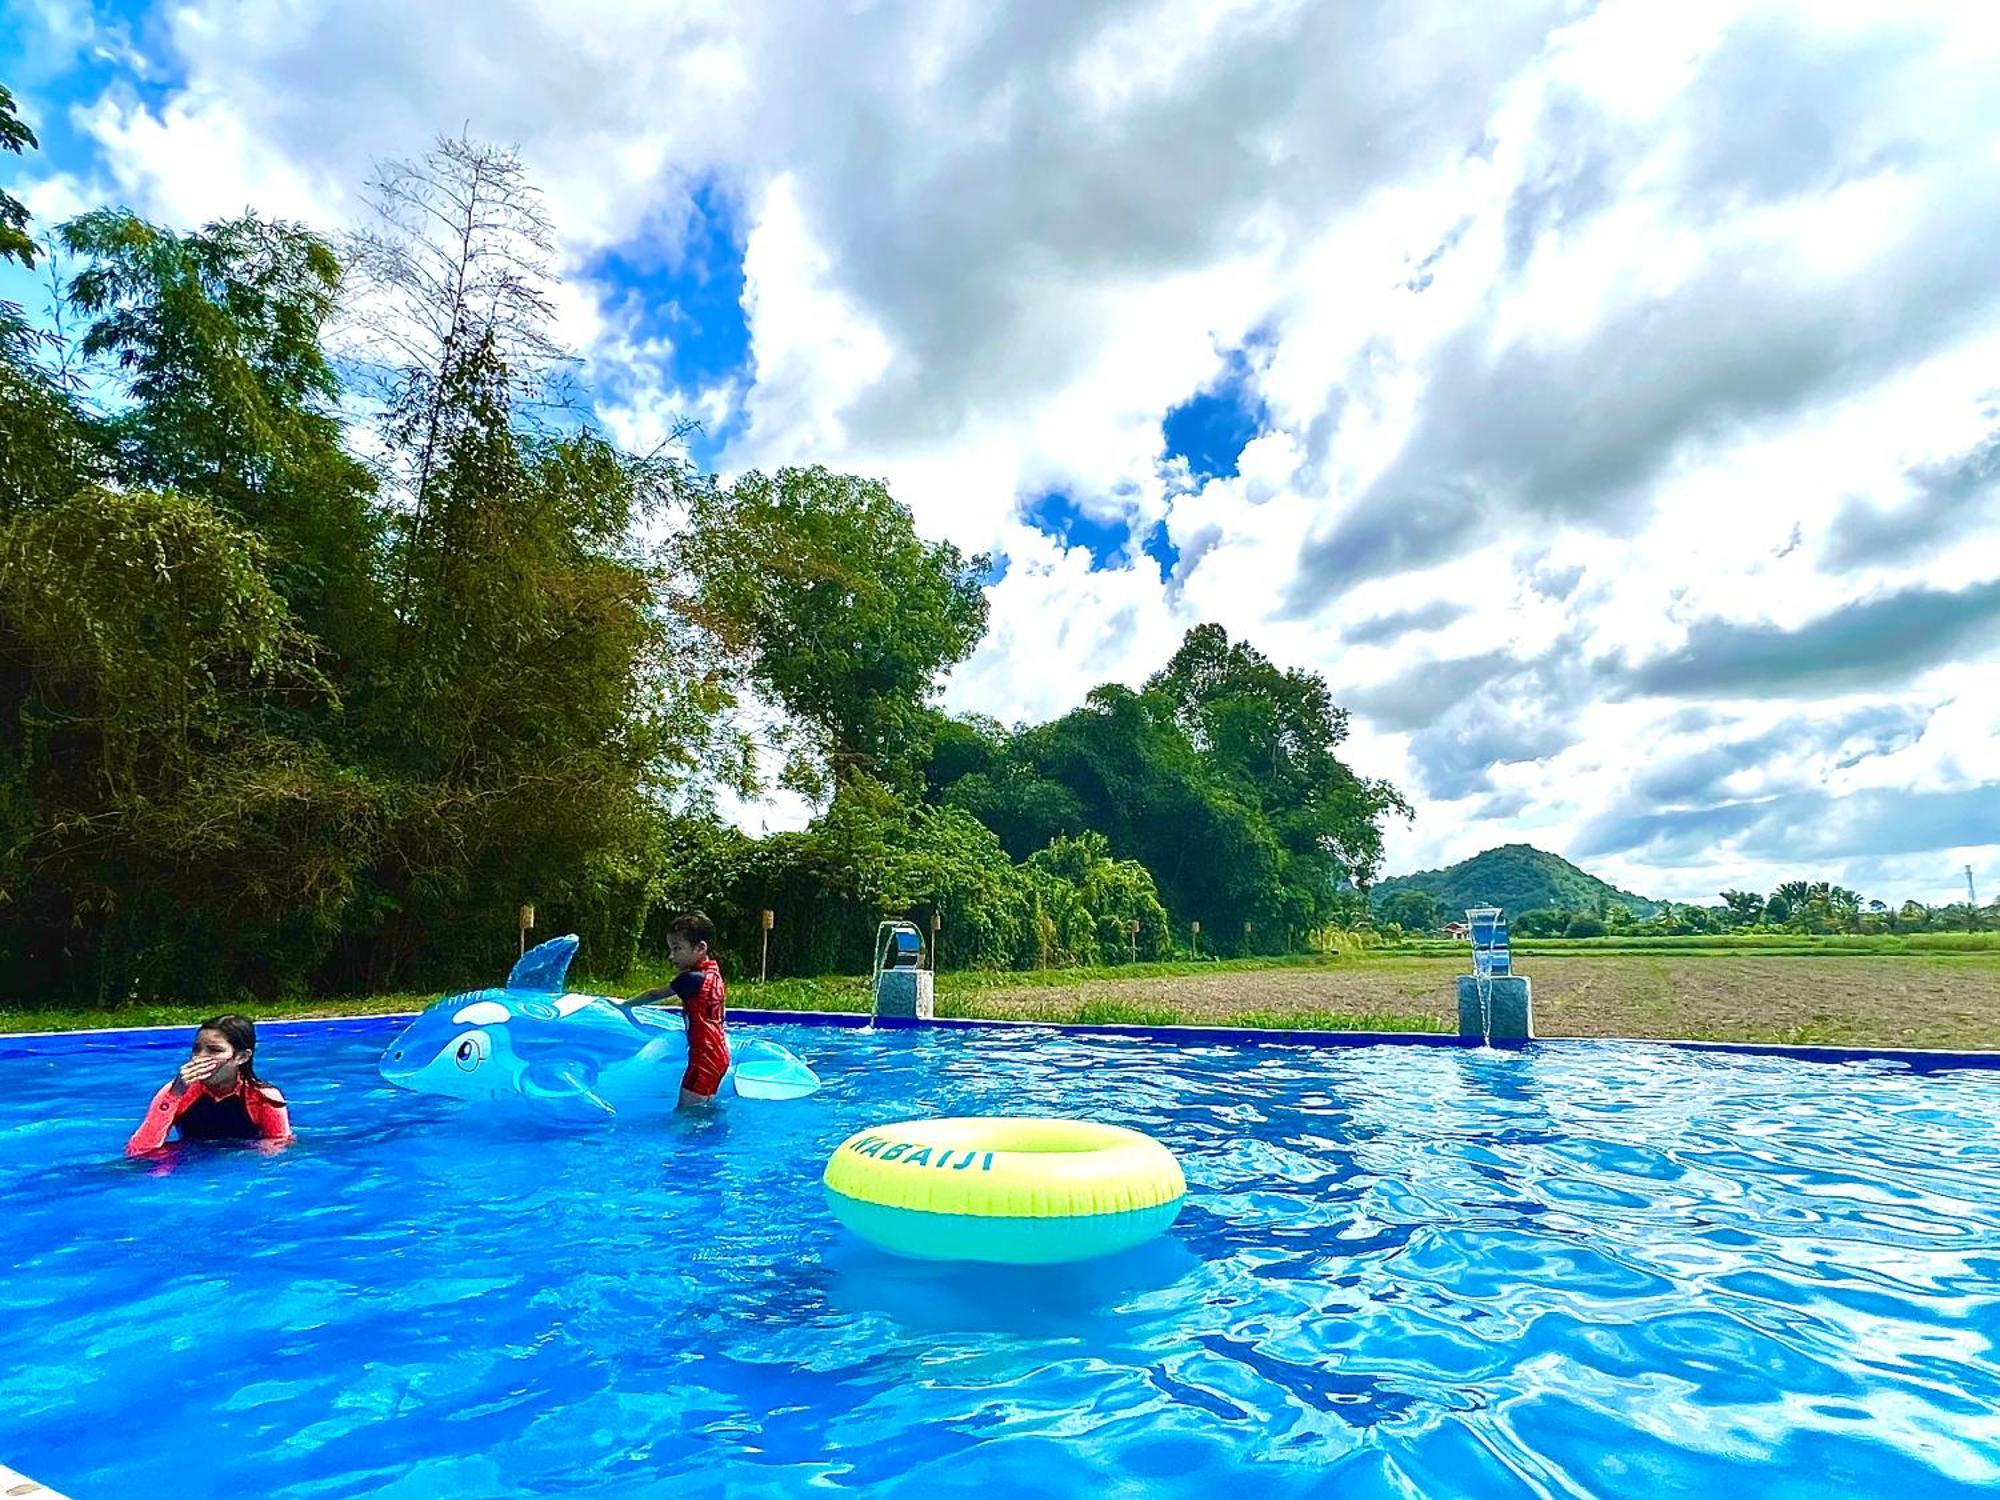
1939, 991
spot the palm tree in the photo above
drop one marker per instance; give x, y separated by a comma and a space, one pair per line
1959, 914
1794, 896
1746, 908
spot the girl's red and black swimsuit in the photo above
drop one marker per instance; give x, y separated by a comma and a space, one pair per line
244, 1111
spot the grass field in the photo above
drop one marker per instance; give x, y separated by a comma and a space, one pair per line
1948, 997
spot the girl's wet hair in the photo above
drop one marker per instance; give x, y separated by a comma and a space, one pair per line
241, 1034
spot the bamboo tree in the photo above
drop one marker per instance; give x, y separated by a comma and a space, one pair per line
456, 277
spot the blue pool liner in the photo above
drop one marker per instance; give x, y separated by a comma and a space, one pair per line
1918, 1059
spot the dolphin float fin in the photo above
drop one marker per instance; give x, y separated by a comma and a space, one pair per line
544, 968
764, 1070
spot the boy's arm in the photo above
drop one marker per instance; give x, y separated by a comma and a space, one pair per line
650, 997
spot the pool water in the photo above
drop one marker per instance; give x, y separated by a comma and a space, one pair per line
1581, 1269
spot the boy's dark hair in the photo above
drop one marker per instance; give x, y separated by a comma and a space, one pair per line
694, 926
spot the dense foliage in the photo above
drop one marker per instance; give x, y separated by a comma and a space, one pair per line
332, 632
1219, 776
843, 614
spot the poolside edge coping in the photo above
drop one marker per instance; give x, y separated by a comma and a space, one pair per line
12, 1483
1919, 1059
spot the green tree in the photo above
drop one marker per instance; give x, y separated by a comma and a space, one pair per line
43, 456
1220, 777
843, 615
457, 273
1746, 908
1271, 735
1144, 786
538, 702
165, 836
1843, 907
873, 854
1026, 811
1788, 903
534, 695
15, 136
215, 337
177, 812
1116, 897
1961, 915
1414, 911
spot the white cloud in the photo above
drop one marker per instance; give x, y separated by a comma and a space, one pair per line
1061, 628
1602, 328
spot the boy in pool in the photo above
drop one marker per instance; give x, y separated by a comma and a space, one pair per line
698, 987
216, 1095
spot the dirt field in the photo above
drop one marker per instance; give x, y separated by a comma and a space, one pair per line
1894, 1001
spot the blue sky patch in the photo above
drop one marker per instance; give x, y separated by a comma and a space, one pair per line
688, 289
1056, 514
1211, 429
52, 74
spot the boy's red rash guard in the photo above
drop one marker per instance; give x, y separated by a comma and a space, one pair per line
254, 1113
701, 995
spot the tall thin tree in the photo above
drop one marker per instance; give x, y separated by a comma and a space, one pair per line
454, 285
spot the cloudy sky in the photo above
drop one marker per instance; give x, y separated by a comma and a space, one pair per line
1604, 397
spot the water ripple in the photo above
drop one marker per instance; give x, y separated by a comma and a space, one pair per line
1588, 1270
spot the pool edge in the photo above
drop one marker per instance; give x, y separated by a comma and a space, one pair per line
14, 1482
1921, 1059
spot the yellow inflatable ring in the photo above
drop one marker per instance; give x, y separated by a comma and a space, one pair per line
1025, 1191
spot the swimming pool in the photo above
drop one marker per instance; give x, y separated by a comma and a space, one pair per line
1579, 1269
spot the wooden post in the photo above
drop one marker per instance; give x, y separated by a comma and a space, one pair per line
937, 926
526, 918
764, 962
1132, 931
1194, 938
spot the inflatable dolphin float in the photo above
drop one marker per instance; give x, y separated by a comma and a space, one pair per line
575, 1054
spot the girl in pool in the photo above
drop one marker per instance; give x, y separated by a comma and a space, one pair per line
216, 1095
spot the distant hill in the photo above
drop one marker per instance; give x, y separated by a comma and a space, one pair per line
1517, 878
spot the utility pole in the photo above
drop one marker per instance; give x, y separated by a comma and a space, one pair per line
1971, 902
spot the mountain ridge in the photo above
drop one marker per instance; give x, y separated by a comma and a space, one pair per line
1517, 878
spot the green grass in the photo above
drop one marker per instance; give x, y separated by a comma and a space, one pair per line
959, 994
964, 993
149, 1013
1106, 1011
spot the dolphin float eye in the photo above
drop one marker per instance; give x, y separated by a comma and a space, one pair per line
472, 1050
